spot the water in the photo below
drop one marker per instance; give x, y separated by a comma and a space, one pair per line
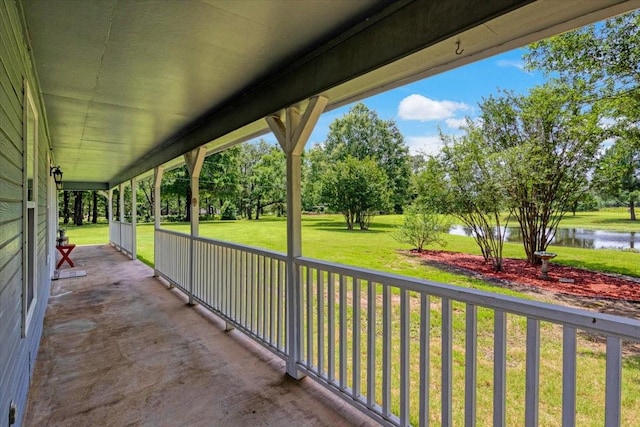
574, 237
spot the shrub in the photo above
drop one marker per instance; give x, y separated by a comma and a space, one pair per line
421, 227
228, 212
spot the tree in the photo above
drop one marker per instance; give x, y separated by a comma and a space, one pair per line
77, 208
605, 58
548, 142
465, 180
263, 174
65, 207
362, 134
618, 173
421, 227
94, 212
220, 178
314, 164
356, 188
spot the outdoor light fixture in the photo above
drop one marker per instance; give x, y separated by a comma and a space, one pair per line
57, 176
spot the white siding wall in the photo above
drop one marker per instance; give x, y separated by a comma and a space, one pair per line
17, 353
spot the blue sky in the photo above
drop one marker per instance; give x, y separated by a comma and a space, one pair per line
442, 100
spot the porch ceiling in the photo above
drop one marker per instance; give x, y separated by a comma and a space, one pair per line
128, 85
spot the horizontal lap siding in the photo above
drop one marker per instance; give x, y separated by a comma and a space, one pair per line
18, 354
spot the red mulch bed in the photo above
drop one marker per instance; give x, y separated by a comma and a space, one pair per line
586, 283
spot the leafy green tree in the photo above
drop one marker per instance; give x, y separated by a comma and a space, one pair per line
262, 167
466, 180
356, 188
618, 174
547, 142
605, 58
220, 178
421, 227
362, 134
314, 163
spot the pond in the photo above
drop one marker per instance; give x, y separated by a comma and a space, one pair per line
574, 237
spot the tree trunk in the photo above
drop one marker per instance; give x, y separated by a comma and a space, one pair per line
187, 205
77, 208
632, 210
65, 207
89, 209
94, 219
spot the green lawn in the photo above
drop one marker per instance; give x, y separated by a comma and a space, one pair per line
325, 237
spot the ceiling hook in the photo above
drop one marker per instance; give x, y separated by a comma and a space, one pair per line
458, 50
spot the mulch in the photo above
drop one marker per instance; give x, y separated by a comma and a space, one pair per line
586, 283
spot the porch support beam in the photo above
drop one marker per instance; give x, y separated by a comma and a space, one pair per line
157, 185
158, 171
121, 210
194, 160
292, 134
134, 216
110, 205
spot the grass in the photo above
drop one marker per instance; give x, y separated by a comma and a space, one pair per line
324, 237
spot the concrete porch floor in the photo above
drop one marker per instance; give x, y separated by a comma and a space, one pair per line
119, 349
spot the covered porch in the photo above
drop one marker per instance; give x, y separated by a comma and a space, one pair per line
119, 346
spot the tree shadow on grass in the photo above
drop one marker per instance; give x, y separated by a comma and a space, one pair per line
341, 226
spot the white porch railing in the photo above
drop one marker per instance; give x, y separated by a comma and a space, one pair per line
121, 236
114, 234
243, 285
387, 343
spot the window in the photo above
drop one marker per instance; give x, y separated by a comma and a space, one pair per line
29, 208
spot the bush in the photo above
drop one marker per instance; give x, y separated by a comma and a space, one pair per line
228, 212
421, 227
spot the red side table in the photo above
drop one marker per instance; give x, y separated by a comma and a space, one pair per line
65, 251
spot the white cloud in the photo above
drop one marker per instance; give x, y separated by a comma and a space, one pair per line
456, 123
418, 107
424, 144
510, 63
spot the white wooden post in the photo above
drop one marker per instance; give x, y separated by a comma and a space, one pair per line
134, 216
194, 160
110, 211
157, 183
121, 207
292, 136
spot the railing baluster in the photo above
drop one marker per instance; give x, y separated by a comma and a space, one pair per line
252, 295
386, 350
273, 264
265, 298
309, 310
371, 344
569, 376
613, 388
404, 357
321, 332
343, 332
499, 367
263, 290
447, 362
332, 328
356, 362
470, 366
532, 372
425, 344
280, 303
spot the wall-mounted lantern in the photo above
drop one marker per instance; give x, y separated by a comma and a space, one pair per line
56, 173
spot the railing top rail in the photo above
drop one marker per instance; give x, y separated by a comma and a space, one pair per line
172, 232
621, 327
252, 249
